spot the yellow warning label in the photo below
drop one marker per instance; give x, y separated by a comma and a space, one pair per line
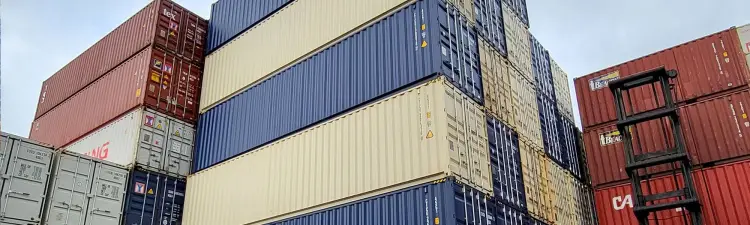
158, 126
138, 93
151, 191
424, 43
725, 54
744, 116
437, 220
429, 114
424, 26
177, 133
429, 134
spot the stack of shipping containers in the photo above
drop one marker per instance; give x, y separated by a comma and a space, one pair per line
393, 111
122, 116
712, 94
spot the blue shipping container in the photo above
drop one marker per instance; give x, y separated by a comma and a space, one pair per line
490, 25
548, 116
519, 8
412, 45
229, 18
541, 67
568, 143
505, 160
154, 199
445, 203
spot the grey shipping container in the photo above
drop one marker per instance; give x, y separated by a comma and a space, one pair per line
441, 202
24, 173
85, 191
422, 40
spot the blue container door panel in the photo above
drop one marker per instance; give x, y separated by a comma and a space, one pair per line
568, 143
154, 199
229, 18
548, 116
375, 62
507, 215
542, 69
490, 24
505, 161
520, 9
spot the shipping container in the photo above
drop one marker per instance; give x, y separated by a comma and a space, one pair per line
562, 91
548, 117
162, 23
519, 47
142, 137
505, 159
154, 199
527, 111
532, 159
706, 66
541, 69
722, 192
491, 25
428, 132
567, 129
85, 190
465, 8
744, 34
583, 210
24, 167
234, 67
232, 17
168, 84
383, 58
714, 129
441, 202
558, 194
518, 7
497, 81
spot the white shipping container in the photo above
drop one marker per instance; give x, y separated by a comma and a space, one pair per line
428, 132
294, 32
562, 91
527, 111
85, 191
499, 96
142, 137
519, 45
744, 34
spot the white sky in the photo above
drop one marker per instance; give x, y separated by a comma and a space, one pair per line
41, 36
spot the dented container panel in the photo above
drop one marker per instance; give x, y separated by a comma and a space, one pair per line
428, 132
24, 167
380, 60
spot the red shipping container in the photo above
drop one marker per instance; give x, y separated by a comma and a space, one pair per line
154, 78
713, 129
162, 23
722, 191
708, 65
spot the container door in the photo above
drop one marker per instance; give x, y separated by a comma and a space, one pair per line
179, 152
107, 195
25, 183
154, 199
152, 140
457, 136
171, 200
69, 193
476, 131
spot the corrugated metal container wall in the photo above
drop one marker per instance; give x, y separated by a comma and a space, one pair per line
428, 132
568, 144
85, 190
505, 159
497, 81
142, 137
541, 69
548, 118
744, 35
465, 8
449, 203
491, 25
154, 199
149, 26
232, 17
713, 130
706, 66
527, 112
531, 160
24, 167
722, 192
320, 87
562, 91
318, 23
561, 192
166, 84
518, 7
582, 203
519, 48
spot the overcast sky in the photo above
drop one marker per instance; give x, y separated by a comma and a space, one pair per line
40, 36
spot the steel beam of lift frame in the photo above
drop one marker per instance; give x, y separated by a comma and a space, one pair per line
685, 197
